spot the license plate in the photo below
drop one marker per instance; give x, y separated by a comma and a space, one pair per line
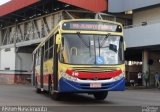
95, 85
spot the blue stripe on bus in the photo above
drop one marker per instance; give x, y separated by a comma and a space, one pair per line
69, 86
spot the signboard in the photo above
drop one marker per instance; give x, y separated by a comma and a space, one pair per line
91, 26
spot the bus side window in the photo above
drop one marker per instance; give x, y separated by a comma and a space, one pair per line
43, 52
46, 50
50, 47
37, 57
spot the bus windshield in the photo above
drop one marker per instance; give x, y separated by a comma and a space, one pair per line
91, 49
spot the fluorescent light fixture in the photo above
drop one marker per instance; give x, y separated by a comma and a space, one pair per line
129, 12
66, 5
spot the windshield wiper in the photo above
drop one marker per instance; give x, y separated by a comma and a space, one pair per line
84, 42
103, 41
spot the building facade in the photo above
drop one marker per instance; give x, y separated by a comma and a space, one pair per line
142, 35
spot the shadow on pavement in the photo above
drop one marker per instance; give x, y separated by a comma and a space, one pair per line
79, 98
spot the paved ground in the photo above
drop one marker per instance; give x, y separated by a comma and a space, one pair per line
26, 96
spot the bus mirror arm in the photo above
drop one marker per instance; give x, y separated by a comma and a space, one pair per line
58, 48
58, 39
124, 44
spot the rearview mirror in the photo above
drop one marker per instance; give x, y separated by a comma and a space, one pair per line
58, 39
113, 47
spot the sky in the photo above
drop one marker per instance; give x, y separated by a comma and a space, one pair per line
3, 1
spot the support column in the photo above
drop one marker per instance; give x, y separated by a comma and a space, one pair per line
0, 46
0, 37
145, 67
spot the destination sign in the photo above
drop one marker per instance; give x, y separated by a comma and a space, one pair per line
91, 26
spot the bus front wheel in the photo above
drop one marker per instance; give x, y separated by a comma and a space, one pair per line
38, 90
56, 96
100, 95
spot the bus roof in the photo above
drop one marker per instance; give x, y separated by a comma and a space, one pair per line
70, 20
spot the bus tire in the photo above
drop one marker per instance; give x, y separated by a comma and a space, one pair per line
49, 84
56, 96
100, 95
38, 90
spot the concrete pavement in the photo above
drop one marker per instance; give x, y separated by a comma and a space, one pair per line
26, 96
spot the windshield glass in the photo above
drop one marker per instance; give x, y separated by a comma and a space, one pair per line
91, 49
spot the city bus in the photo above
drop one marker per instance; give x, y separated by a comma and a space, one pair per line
81, 56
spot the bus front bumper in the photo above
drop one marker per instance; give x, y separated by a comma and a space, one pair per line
70, 86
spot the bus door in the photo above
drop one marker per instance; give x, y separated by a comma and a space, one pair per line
41, 67
55, 66
34, 71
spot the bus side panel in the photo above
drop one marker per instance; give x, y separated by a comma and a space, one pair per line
48, 63
47, 71
37, 73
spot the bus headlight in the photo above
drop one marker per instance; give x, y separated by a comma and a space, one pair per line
68, 77
122, 75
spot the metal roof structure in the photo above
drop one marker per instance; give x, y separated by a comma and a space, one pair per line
16, 11
92, 5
